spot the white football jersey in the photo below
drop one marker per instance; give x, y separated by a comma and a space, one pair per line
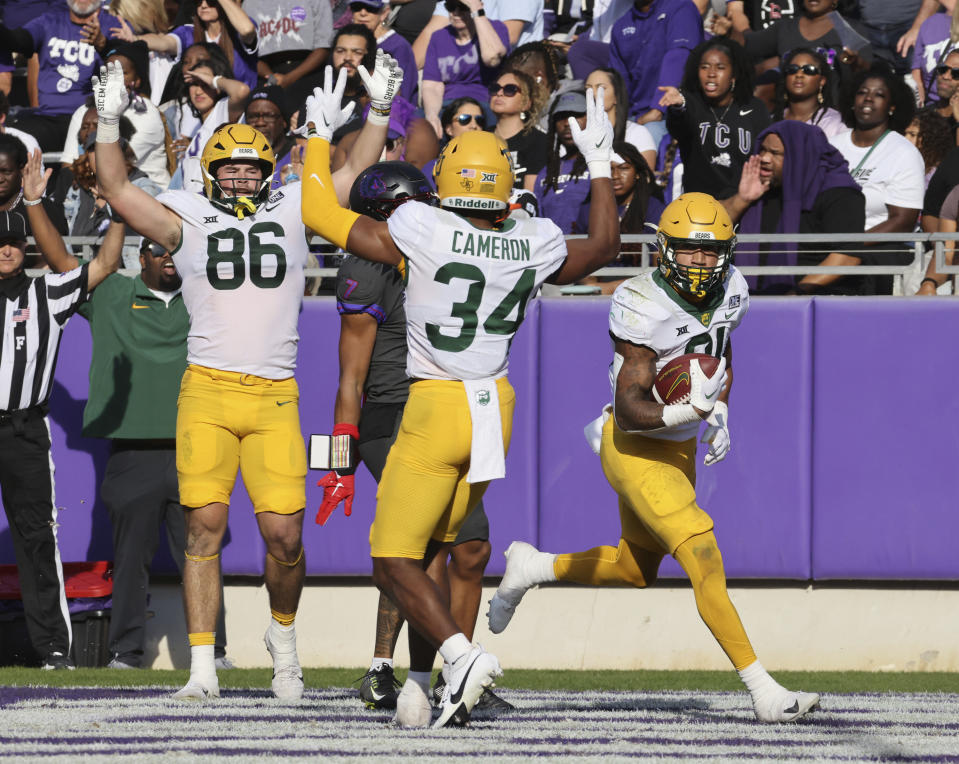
243, 282
647, 311
467, 287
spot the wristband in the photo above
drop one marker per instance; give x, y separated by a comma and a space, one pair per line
599, 169
108, 129
31, 202
216, 87
679, 413
345, 448
379, 114
930, 279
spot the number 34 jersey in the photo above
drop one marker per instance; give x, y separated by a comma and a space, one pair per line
242, 282
467, 287
647, 311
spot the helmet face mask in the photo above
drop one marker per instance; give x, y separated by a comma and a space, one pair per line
381, 188
230, 144
474, 172
694, 222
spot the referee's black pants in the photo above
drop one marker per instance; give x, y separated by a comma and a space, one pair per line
140, 492
26, 485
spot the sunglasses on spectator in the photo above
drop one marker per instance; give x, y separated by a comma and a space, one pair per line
157, 251
953, 71
464, 119
508, 90
357, 7
809, 69
452, 6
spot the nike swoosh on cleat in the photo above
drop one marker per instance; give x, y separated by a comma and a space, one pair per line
792, 709
458, 695
376, 696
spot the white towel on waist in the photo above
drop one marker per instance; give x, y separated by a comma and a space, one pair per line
594, 430
487, 460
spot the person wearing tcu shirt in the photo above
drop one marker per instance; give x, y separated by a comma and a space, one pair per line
68, 40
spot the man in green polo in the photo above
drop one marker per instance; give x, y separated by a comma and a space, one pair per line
139, 328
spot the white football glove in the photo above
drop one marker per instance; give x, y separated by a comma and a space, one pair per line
703, 390
383, 85
111, 99
595, 141
323, 107
717, 434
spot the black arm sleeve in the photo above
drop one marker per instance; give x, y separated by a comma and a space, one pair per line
16, 40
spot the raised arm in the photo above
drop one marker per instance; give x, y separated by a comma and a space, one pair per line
147, 216
383, 85
321, 209
602, 245
243, 24
108, 257
49, 241
491, 47
236, 91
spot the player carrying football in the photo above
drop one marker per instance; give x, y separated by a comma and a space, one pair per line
691, 304
470, 273
241, 254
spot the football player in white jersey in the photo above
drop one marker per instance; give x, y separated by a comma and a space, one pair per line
240, 253
690, 304
470, 273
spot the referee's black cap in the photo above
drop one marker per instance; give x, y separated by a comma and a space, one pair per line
13, 226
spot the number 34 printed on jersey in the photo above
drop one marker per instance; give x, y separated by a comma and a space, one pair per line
467, 311
229, 245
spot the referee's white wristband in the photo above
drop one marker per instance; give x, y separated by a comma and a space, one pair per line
679, 413
108, 129
600, 168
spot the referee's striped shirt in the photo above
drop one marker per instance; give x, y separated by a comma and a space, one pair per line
32, 325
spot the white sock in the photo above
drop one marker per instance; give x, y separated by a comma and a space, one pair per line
422, 678
541, 568
455, 648
379, 663
202, 663
757, 679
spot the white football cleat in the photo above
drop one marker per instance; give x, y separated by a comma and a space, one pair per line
466, 680
199, 689
782, 705
516, 582
413, 707
287, 676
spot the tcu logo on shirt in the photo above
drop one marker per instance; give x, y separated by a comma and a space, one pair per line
74, 54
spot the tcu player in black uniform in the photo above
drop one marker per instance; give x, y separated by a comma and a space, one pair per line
369, 405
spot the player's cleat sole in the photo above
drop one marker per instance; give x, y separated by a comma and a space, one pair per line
379, 688
413, 709
467, 682
287, 681
785, 706
195, 690
492, 704
514, 585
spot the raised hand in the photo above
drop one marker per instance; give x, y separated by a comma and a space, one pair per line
383, 84
671, 97
751, 186
594, 141
323, 110
124, 32
110, 96
34, 178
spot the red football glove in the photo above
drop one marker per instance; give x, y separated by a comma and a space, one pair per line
336, 488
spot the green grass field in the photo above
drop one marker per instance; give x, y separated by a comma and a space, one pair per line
821, 681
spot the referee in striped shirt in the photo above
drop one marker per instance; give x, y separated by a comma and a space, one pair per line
33, 312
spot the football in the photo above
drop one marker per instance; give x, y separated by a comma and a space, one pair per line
672, 383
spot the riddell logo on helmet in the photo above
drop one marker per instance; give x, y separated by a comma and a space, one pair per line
474, 204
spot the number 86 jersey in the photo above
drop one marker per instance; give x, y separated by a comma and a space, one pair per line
243, 282
467, 287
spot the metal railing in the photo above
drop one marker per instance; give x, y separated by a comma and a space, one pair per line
916, 244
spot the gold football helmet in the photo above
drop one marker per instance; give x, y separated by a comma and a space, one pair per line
231, 143
695, 221
474, 172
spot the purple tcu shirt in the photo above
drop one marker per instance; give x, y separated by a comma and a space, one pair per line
244, 58
562, 204
402, 51
931, 47
650, 49
459, 66
66, 63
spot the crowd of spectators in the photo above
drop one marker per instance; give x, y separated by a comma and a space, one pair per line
689, 91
